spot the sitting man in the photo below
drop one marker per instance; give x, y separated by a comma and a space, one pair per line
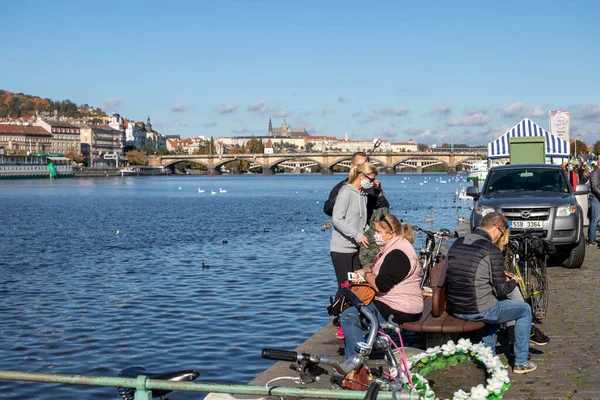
477, 287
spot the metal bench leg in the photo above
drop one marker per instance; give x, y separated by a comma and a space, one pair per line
433, 339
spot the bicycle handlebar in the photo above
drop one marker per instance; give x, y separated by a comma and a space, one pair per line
442, 232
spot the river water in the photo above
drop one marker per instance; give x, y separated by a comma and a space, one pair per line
76, 298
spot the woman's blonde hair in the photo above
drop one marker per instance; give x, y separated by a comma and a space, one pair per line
365, 168
403, 229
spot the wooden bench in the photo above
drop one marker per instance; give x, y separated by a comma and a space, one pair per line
437, 324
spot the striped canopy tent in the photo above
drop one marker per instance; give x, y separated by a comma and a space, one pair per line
555, 146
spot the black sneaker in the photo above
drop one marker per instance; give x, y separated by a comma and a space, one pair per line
529, 366
537, 337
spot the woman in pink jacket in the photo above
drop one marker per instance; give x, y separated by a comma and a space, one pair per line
395, 276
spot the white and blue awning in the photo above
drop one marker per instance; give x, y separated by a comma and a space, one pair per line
555, 146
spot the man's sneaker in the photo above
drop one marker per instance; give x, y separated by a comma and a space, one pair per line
537, 337
592, 243
529, 366
339, 333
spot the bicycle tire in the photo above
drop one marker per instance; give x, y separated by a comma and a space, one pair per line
538, 286
424, 259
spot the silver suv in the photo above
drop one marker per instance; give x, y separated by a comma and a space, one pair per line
536, 197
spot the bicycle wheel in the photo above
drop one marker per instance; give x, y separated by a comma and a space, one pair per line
538, 286
424, 259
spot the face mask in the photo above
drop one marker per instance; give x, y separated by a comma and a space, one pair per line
378, 239
570, 168
366, 184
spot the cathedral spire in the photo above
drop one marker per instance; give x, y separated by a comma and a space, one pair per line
270, 128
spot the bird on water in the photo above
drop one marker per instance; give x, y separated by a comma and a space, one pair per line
205, 266
432, 217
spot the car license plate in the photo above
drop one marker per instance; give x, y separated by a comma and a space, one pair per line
525, 224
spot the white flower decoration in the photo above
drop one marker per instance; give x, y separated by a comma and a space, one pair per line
464, 345
498, 376
494, 385
460, 395
501, 374
449, 348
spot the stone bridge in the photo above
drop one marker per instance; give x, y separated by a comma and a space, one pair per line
387, 162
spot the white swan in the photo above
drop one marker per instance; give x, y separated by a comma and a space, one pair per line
213, 192
222, 190
200, 190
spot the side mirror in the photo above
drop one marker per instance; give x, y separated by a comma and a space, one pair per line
582, 188
473, 192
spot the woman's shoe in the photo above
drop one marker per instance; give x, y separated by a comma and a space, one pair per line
339, 333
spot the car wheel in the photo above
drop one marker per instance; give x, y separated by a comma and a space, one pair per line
575, 255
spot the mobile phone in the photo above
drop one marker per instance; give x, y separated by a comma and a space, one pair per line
352, 276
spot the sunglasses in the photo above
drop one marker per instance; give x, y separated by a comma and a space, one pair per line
383, 219
501, 231
369, 178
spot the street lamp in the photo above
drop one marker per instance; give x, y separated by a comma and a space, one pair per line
576, 136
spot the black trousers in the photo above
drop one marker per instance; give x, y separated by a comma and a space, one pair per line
342, 264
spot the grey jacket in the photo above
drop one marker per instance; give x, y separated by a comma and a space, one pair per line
595, 182
349, 220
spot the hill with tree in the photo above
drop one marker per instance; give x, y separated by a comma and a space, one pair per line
19, 105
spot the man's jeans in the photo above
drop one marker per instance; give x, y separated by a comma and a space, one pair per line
353, 330
594, 204
504, 311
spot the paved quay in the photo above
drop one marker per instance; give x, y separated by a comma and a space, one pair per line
568, 366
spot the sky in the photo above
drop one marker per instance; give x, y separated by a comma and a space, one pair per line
432, 71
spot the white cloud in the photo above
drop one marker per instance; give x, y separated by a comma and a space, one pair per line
521, 110
475, 110
327, 111
179, 108
591, 112
468, 120
392, 112
262, 108
441, 110
259, 107
369, 119
227, 108
209, 124
341, 99
356, 114
112, 105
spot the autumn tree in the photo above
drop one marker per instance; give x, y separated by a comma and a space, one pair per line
72, 154
596, 147
422, 147
255, 146
137, 157
580, 146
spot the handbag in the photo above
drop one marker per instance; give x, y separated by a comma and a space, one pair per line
364, 292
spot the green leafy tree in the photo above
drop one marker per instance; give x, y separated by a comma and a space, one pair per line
422, 147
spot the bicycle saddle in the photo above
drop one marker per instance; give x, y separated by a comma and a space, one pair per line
176, 376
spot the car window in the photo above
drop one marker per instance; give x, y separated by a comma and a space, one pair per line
526, 180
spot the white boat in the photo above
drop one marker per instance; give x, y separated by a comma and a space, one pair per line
479, 170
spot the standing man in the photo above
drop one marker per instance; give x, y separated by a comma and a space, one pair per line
375, 196
594, 204
477, 288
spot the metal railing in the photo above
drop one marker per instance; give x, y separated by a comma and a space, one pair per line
143, 386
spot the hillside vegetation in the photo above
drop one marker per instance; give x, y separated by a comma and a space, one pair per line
19, 105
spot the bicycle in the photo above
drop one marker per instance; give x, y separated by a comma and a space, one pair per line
529, 254
431, 253
307, 365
